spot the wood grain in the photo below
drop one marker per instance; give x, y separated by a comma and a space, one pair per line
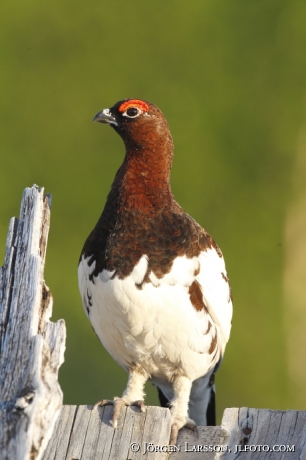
84, 433
31, 347
265, 434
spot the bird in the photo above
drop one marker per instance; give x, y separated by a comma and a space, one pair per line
153, 282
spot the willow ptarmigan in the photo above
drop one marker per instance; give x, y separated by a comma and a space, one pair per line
152, 280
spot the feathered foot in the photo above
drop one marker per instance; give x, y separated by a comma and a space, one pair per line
179, 408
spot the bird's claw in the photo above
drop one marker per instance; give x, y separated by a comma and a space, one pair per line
196, 431
103, 402
140, 404
176, 426
118, 403
173, 435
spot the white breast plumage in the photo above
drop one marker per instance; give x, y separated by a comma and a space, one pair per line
156, 326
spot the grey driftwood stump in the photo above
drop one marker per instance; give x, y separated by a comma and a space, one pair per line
31, 347
35, 425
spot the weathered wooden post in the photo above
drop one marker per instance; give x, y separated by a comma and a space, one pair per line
31, 347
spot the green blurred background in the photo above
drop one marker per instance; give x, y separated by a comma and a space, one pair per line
230, 77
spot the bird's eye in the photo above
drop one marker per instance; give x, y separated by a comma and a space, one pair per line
132, 112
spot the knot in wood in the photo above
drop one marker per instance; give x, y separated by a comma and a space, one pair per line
24, 401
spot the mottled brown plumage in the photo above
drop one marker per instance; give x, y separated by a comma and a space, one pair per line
196, 297
141, 215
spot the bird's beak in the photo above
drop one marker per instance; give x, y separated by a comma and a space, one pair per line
105, 117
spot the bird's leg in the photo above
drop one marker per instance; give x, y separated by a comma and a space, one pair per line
179, 407
132, 396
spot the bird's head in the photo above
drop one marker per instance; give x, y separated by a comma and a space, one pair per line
139, 123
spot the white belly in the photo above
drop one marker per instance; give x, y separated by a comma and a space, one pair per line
155, 327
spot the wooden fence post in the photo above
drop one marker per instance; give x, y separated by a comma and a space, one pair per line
31, 347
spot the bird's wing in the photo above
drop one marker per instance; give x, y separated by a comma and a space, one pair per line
216, 291
85, 285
